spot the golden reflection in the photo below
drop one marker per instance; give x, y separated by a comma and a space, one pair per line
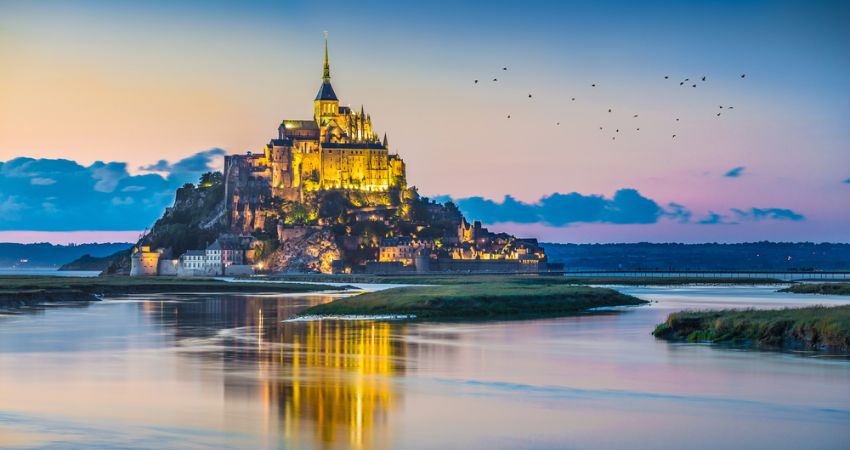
316, 384
339, 387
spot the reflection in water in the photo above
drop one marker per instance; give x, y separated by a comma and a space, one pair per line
327, 382
206, 371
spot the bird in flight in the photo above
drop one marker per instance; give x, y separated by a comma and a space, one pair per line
677, 119
743, 75
557, 123
695, 86
476, 81
681, 83
574, 99
504, 68
609, 109
593, 85
718, 114
635, 116
666, 77
674, 137
637, 129
703, 78
509, 116
495, 79
529, 95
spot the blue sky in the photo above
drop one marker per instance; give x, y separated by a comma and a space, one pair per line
127, 84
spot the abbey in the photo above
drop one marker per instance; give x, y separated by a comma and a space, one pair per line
337, 149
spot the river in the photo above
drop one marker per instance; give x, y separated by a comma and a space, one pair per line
224, 371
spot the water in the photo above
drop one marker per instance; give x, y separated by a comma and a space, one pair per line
50, 272
202, 371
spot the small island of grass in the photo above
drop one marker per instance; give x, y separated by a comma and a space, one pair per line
819, 288
811, 328
506, 299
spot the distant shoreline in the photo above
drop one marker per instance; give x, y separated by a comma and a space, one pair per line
459, 278
17, 291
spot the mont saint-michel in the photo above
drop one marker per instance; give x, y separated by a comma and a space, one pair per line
327, 194
440, 225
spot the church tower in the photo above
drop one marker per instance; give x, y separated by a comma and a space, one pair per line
326, 105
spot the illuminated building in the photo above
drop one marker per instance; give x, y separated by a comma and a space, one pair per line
337, 149
144, 261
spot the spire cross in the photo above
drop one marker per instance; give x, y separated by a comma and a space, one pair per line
326, 75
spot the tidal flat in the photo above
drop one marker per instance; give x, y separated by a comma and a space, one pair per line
221, 371
16, 291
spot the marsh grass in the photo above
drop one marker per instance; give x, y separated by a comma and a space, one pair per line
819, 288
509, 298
812, 327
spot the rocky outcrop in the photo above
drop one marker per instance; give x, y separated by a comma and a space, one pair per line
304, 249
195, 220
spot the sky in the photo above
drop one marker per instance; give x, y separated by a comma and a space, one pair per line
94, 93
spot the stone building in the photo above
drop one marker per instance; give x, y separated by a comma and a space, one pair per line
227, 255
404, 249
144, 261
192, 263
337, 149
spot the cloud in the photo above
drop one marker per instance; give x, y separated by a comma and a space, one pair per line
198, 163
734, 172
627, 206
160, 166
714, 219
63, 195
10, 208
108, 175
758, 214
678, 212
39, 181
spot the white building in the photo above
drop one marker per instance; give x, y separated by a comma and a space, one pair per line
228, 255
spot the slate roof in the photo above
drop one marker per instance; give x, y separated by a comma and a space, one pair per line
326, 92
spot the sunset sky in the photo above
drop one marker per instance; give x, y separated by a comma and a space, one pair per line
94, 92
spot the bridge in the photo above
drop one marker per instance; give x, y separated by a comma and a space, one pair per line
838, 275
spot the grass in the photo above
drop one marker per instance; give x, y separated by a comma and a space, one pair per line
819, 288
478, 300
530, 278
815, 327
21, 290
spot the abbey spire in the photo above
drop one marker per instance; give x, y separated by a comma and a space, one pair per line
326, 104
326, 74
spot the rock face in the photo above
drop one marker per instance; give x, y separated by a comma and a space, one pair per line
195, 220
304, 249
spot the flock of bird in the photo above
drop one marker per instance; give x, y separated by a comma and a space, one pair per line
693, 84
